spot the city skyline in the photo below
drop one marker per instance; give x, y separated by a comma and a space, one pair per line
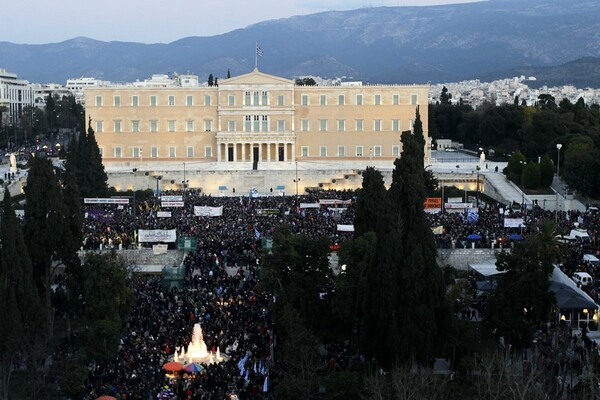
159, 22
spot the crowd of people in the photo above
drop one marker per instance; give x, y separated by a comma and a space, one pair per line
231, 308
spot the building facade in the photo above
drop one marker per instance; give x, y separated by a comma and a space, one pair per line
15, 95
252, 119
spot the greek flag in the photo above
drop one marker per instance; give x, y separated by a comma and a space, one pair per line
259, 51
472, 215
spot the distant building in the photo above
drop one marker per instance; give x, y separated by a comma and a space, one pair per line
77, 86
15, 95
252, 119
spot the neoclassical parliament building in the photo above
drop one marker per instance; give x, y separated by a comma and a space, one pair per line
251, 122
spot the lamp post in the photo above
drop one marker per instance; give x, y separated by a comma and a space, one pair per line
523, 163
296, 180
478, 168
558, 147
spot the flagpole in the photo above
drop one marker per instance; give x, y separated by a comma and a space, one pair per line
256, 55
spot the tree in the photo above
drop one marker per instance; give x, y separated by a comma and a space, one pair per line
43, 221
581, 164
522, 299
547, 102
445, 97
24, 318
306, 81
514, 169
228, 73
546, 171
368, 203
85, 164
531, 176
404, 290
210, 80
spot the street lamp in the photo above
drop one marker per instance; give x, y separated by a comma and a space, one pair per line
478, 168
296, 180
523, 163
558, 147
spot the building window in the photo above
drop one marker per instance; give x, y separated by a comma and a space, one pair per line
265, 99
395, 151
323, 151
171, 100
207, 100
246, 98
323, 100
304, 151
359, 151
377, 99
135, 101
396, 99
118, 126
190, 151
248, 123
98, 101
153, 101
280, 100
256, 123
231, 126
341, 125
377, 125
280, 125
117, 101
118, 152
189, 125
359, 99
411, 125
154, 152
341, 151
208, 125
323, 125
341, 99
359, 125
414, 100
231, 100
255, 99
376, 151
153, 125
135, 126
137, 152
304, 100
304, 125
208, 152
265, 123
171, 125
189, 101
172, 152
396, 125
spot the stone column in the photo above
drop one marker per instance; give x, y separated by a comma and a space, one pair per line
235, 151
219, 152
269, 151
285, 156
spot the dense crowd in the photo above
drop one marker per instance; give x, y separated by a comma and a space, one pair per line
230, 306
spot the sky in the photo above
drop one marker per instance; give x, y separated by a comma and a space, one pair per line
157, 21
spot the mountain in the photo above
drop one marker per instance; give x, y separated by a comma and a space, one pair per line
379, 45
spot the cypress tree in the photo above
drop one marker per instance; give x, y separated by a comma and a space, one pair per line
94, 169
368, 203
43, 222
23, 318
